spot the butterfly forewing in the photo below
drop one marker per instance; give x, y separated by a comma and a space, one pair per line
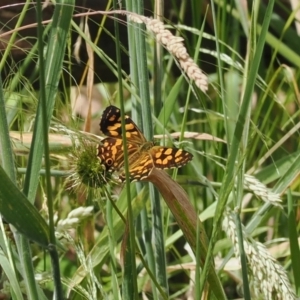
111, 125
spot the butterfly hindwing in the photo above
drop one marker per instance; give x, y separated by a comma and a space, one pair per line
168, 158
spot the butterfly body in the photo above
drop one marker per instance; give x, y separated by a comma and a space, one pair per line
143, 155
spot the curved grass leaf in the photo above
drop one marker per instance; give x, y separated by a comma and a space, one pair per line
18, 211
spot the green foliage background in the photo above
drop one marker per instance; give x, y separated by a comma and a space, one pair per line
251, 57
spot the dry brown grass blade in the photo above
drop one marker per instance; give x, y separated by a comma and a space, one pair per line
191, 135
187, 219
90, 79
178, 202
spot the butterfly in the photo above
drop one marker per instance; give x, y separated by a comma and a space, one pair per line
143, 155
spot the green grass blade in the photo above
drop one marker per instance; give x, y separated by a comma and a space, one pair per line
230, 171
18, 211
168, 107
11, 42
9, 272
6, 154
293, 236
101, 249
290, 175
155, 243
12, 207
156, 246
279, 168
130, 286
53, 68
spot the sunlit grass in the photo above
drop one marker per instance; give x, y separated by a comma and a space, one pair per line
243, 180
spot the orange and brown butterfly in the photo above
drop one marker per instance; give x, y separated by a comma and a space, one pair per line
143, 155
